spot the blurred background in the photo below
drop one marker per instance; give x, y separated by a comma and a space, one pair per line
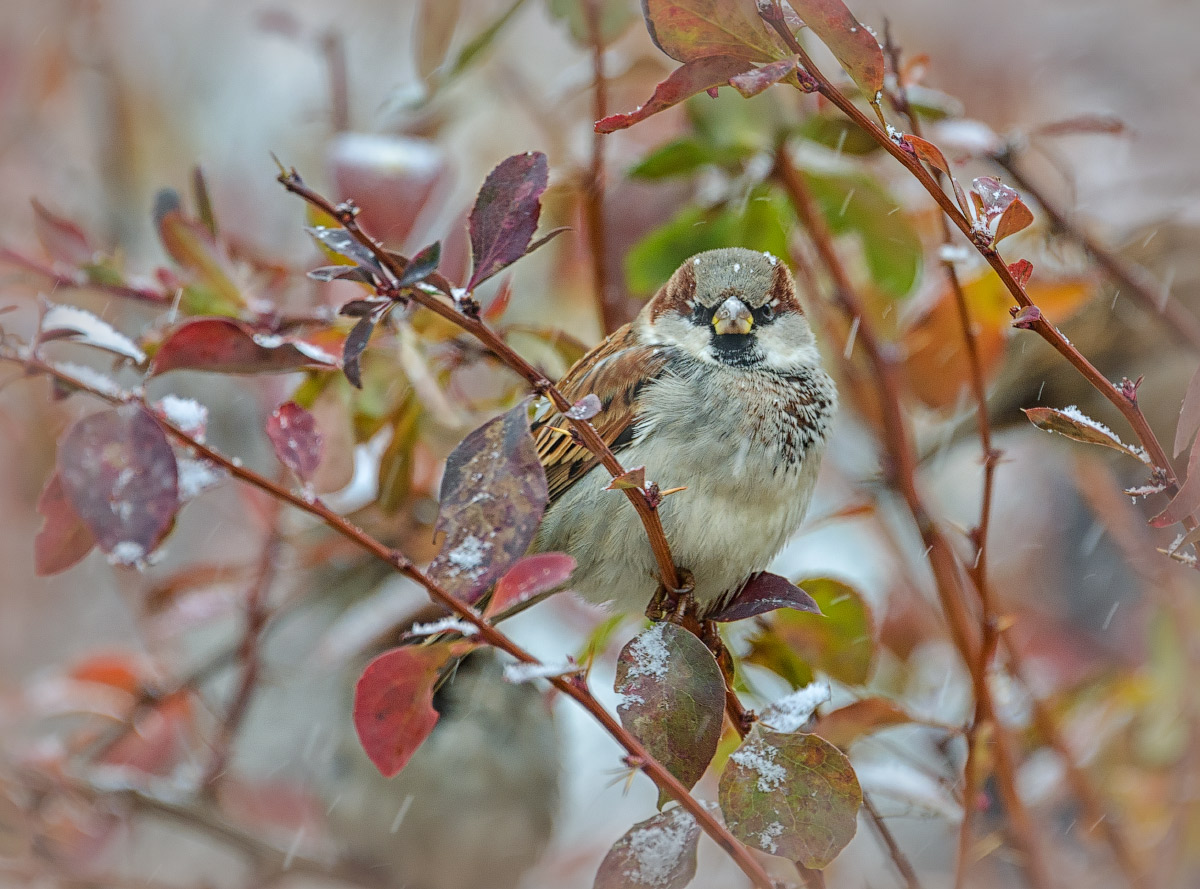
405, 106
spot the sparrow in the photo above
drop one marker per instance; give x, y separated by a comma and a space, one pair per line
717, 388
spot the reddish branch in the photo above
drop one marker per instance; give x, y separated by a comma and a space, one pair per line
597, 235
574, 686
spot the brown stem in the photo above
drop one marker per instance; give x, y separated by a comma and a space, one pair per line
574, 687
899, 859
539, 382
597, 234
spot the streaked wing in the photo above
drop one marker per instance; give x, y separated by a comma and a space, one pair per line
615, 371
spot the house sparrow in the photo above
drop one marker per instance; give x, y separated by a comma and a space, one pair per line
716, 387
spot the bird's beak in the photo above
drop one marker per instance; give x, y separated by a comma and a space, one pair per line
733, 316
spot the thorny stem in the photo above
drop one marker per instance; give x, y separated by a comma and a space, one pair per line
950, 583
539, 382
573, 686
1131, 278
594, 192
1128, 407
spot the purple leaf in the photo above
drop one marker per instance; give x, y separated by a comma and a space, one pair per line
672, 699
505, 214
762, 593
658, 853
492, 498
341, 273
355, 345
297, 441
422, 265
119, 472
223, 345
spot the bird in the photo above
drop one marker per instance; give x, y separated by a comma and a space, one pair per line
717, 388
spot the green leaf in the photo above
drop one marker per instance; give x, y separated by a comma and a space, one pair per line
837, 133
793, 795
761, 224
839, 641
684, 156
855, 203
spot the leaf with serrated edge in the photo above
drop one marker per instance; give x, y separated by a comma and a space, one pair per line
658, 853
793, 795
672, 699
492, 498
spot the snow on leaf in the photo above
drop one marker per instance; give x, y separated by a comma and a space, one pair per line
195, 477
528, 578
91, 377
793, 795
186, 414
449, 624
78, 325
64, 538
340, 242
505, 214
492, 498
1073, 423
298, 442
223, 345
762, 593
120, 474
672, 699
691, 78
393, 704
658, 853
792, 712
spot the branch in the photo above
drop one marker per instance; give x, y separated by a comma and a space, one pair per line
597, 235
574, 686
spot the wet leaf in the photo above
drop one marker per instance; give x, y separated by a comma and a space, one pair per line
688, 30
422, 265
843, 726
688, 80
342, 273
505, 214
297, 440
355, 345
793, 795
81, 326
754, 81
223, 345
855, 47
658, 853
193, 247
492, 498
119, 472
1073, 423
762, 593
341, 243
839, 641
393, 704
62, 239
529, 578
672, 699
1189, 415
585, 408
64, 538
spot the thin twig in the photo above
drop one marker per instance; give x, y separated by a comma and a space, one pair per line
597, 234
899, 859
574, 686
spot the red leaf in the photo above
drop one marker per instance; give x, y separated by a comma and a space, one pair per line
928, 152
193, 247
855, 48
297, 440
1015, 217
393, 704
505, 214
530, 577
762, 593
1021, 270
119, 471
64, 538
754, 81
65, 241
691, 78
1187, 501
223, 345
691, 30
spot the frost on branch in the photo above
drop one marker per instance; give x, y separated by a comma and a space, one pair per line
658, 853
793, 795
672, 699
492, 498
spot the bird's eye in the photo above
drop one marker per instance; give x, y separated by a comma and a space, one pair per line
764, 314
700, 314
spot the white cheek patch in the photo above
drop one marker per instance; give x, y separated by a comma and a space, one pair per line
788, 343
673, 329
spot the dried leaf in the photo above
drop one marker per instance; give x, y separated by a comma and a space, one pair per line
492, 498
754, 81
297, 440
64, 538
119, 472
688, 30
505, 214
762, 593
840, 640
81, 326
223, 345
672, 699
793, 795
686, 81
1014, 218
62, 239
393, 704
1072, 423
851, 43
658, 853
843, 726
628, 480
530, 577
